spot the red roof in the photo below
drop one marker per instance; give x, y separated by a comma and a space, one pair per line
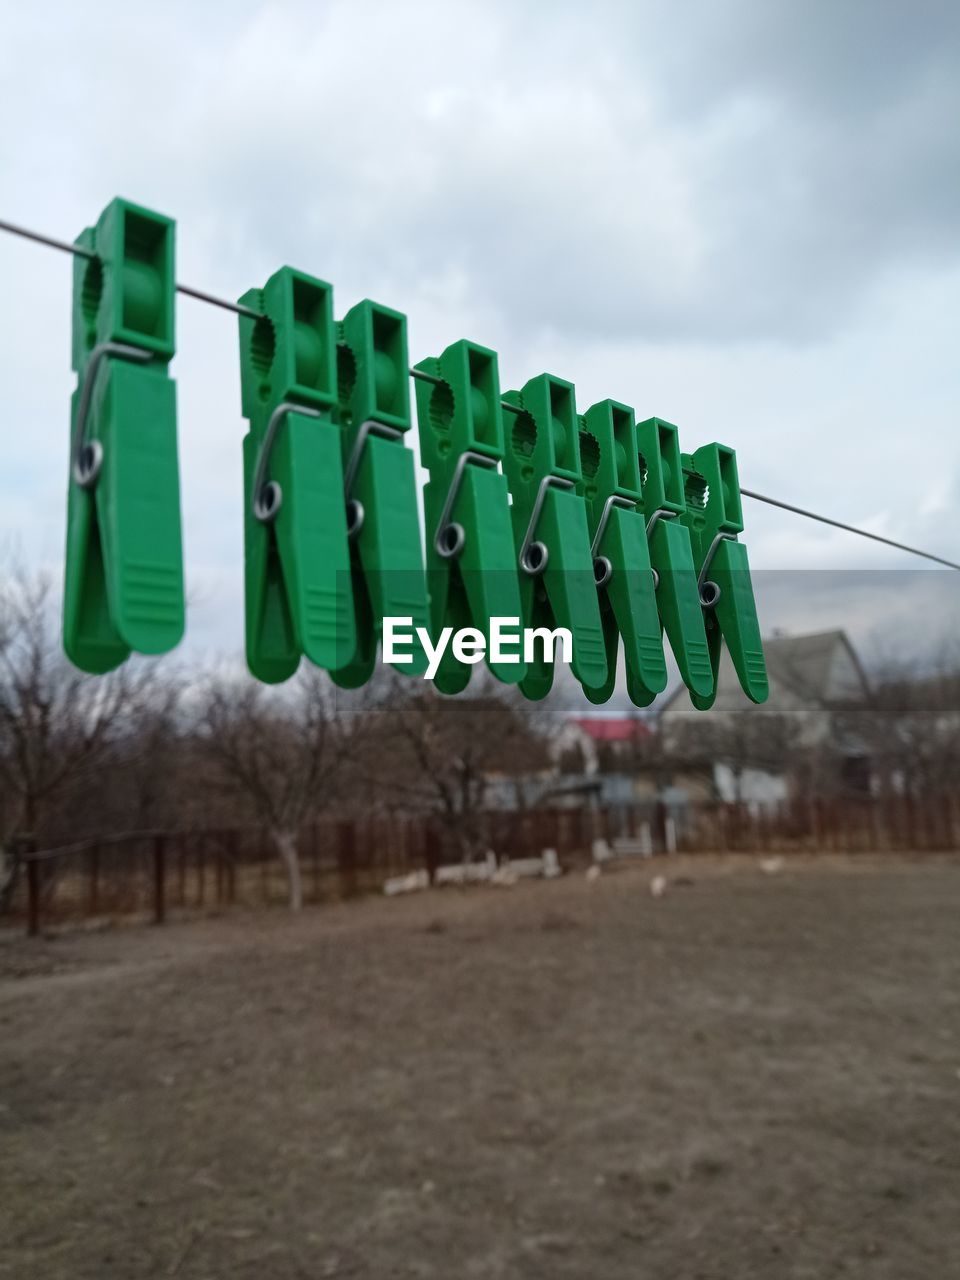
612, 728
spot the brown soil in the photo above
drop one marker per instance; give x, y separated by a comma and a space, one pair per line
752, 1076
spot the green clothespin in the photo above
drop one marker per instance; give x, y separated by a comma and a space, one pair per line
123, 583
714, 517
671, 554
557, 585
298, 586
380, 485
621, 559
471, 557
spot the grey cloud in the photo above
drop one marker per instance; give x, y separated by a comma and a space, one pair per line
759, 185
833, 60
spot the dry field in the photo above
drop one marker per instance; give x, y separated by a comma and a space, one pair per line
753, 1076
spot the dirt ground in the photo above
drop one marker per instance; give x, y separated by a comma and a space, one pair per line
753, 1076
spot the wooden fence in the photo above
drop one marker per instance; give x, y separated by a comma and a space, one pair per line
858, 824
153, 873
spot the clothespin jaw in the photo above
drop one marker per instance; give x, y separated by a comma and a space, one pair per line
714, 516
372, 357
298, 586
557, 587
671, 554
471, 558
379, 485
621, 559
123, 581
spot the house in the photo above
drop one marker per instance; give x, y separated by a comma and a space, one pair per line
761, 753
597, 758
595, 741
810, 676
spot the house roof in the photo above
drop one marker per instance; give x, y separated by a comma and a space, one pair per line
612, 728
811, 665
819, 668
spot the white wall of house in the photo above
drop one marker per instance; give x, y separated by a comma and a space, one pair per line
753, 787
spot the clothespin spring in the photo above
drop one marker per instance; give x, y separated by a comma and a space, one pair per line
534, 555
710, 591
662, 513
602, 568
88, 454
267, 496
450, 536
355, 512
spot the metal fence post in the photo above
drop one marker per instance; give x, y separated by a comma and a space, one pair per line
159, 880
431, 848
33, 896
347, 859
93, 866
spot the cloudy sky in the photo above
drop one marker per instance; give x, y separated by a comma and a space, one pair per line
741, 215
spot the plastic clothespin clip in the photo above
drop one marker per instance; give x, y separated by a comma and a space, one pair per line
123, 583
671, 555
557, 587
379, 485
621, 559
298, 585
714, 517
471, 557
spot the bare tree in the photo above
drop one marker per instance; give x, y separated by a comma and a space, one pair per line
276, 754
910, 726
151, 785
446, 755
57, 726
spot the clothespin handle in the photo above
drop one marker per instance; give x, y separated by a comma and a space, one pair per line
298, 587
123, 578
726, 591
671, 552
